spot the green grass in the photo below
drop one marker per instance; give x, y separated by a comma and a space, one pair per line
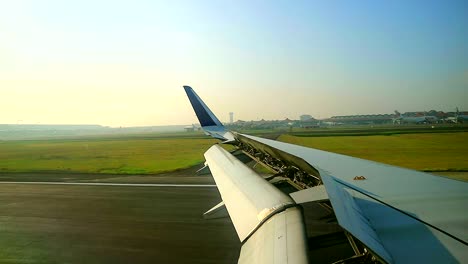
153, 154
384, 130
427, 152
107, 156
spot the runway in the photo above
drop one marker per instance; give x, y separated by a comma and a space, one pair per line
116, 184
52, 222
158, 222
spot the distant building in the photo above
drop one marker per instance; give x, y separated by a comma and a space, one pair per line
305, 117
361, 119
231, 117
189, 128
307, 121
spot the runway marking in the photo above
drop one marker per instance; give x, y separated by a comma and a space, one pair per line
114, 184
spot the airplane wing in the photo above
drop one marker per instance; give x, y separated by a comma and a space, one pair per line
389, 214
267, 221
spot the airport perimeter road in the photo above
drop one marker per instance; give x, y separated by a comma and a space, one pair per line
70, 223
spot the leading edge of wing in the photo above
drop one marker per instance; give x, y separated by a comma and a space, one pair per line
266, 220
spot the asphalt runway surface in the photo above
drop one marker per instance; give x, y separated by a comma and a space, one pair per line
117, 184
159, 220
51, 223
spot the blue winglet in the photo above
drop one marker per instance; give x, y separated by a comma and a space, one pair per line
204, 114
209, 122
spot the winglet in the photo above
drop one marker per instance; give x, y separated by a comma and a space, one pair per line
209, 122
204, 114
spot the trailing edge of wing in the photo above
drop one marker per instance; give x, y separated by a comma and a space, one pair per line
266, 220
351, 217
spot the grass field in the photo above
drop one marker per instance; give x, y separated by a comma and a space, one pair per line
107, 156
83, 159
428, 152
359, 130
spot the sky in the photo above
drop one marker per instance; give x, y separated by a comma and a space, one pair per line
123, 63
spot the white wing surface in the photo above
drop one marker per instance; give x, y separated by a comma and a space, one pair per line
399, 213
266, 219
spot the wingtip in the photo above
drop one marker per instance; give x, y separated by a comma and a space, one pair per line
187, 87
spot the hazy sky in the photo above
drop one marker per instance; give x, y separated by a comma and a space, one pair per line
123, 63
